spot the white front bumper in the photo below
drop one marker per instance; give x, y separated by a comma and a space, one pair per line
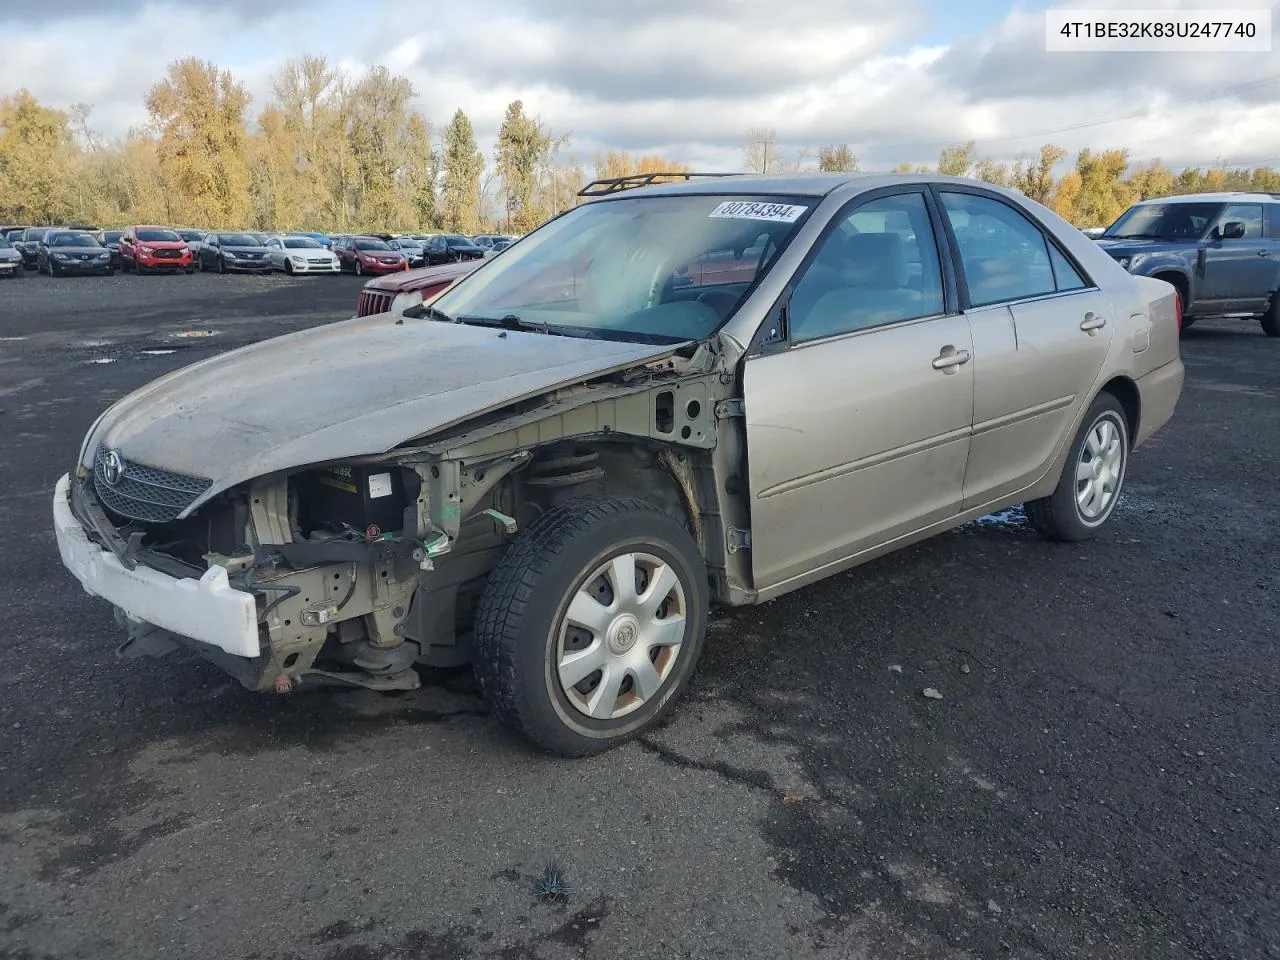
209, 609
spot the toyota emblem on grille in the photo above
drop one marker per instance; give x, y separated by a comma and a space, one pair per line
112, 468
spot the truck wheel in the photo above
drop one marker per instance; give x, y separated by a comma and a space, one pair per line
1271, 319
591, 624
1091, 480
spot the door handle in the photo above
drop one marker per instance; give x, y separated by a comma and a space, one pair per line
1092, 322
950, 358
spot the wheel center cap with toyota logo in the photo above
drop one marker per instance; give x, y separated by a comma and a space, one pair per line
112, 468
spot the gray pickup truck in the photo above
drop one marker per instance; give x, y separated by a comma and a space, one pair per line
1220, 250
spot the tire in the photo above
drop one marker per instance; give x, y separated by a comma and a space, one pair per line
521, 626
1271, 319
222, 265
359, 269
1060, 516
288, 268
200, 264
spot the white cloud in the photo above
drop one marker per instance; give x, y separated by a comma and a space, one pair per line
689, 81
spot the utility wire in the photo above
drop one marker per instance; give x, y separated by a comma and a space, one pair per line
1209, 97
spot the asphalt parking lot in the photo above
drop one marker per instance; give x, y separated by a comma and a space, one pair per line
1101, 778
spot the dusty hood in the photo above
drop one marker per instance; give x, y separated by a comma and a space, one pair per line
353, 388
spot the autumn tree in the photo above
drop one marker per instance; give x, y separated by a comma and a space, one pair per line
36, 153
520, 157
837, 159
956, 161
1033, 174
992, 171
462, 165
1152, 180
619, 163
203, 144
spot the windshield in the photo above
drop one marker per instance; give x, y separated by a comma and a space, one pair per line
301, 243
459, 241
112, 236
238, 240
158, 236
656, 269
70, 240
191, 235
4, 242
409, 243
1164, 221
365, 243
34, 233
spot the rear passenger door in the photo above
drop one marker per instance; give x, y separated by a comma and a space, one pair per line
1041, 333
858, 425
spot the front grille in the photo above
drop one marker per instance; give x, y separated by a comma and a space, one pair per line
373, 301
319, 263
167, 254
145, 493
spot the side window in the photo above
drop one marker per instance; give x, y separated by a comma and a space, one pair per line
1273, 221
1250, 214
1065, 275
878, 266
1004, 255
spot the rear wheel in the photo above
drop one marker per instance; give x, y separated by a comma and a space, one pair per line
1092, 477
591, 624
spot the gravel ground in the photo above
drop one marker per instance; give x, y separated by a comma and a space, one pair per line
1099, 779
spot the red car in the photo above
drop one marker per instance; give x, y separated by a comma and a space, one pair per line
397, 293
145, 249
368, 255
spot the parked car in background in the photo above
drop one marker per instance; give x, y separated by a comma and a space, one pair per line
29, 245
1093, 233
298, 254
321, 238
149, 249
450, 248
193, 239
400, 292
557, 491
486, 241
10, 259
65, 252
411, 247
234, 251
368, 255
111, 240
12, 231
1221, 252
498, 247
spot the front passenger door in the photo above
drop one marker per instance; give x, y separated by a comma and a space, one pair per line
858, 427
1239, 274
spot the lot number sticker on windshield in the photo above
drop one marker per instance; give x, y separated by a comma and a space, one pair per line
755, 210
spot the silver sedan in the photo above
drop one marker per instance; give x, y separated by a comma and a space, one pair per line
301, 255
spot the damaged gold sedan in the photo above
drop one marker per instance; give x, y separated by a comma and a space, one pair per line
711, 391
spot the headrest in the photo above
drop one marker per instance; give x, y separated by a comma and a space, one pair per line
875, 260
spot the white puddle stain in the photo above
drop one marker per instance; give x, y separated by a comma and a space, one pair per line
102, 360
185, 334
11, 339
157, 353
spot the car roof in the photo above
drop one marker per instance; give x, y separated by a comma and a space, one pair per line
1231, 196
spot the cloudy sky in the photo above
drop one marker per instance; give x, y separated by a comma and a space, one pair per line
896, 79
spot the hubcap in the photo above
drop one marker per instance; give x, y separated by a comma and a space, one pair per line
621, 635
1100, 470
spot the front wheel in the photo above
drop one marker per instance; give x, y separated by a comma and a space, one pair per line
1271, 319
288, 267
359, 269
1092, 478
591, 624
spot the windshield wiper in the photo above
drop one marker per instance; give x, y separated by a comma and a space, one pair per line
512, 322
